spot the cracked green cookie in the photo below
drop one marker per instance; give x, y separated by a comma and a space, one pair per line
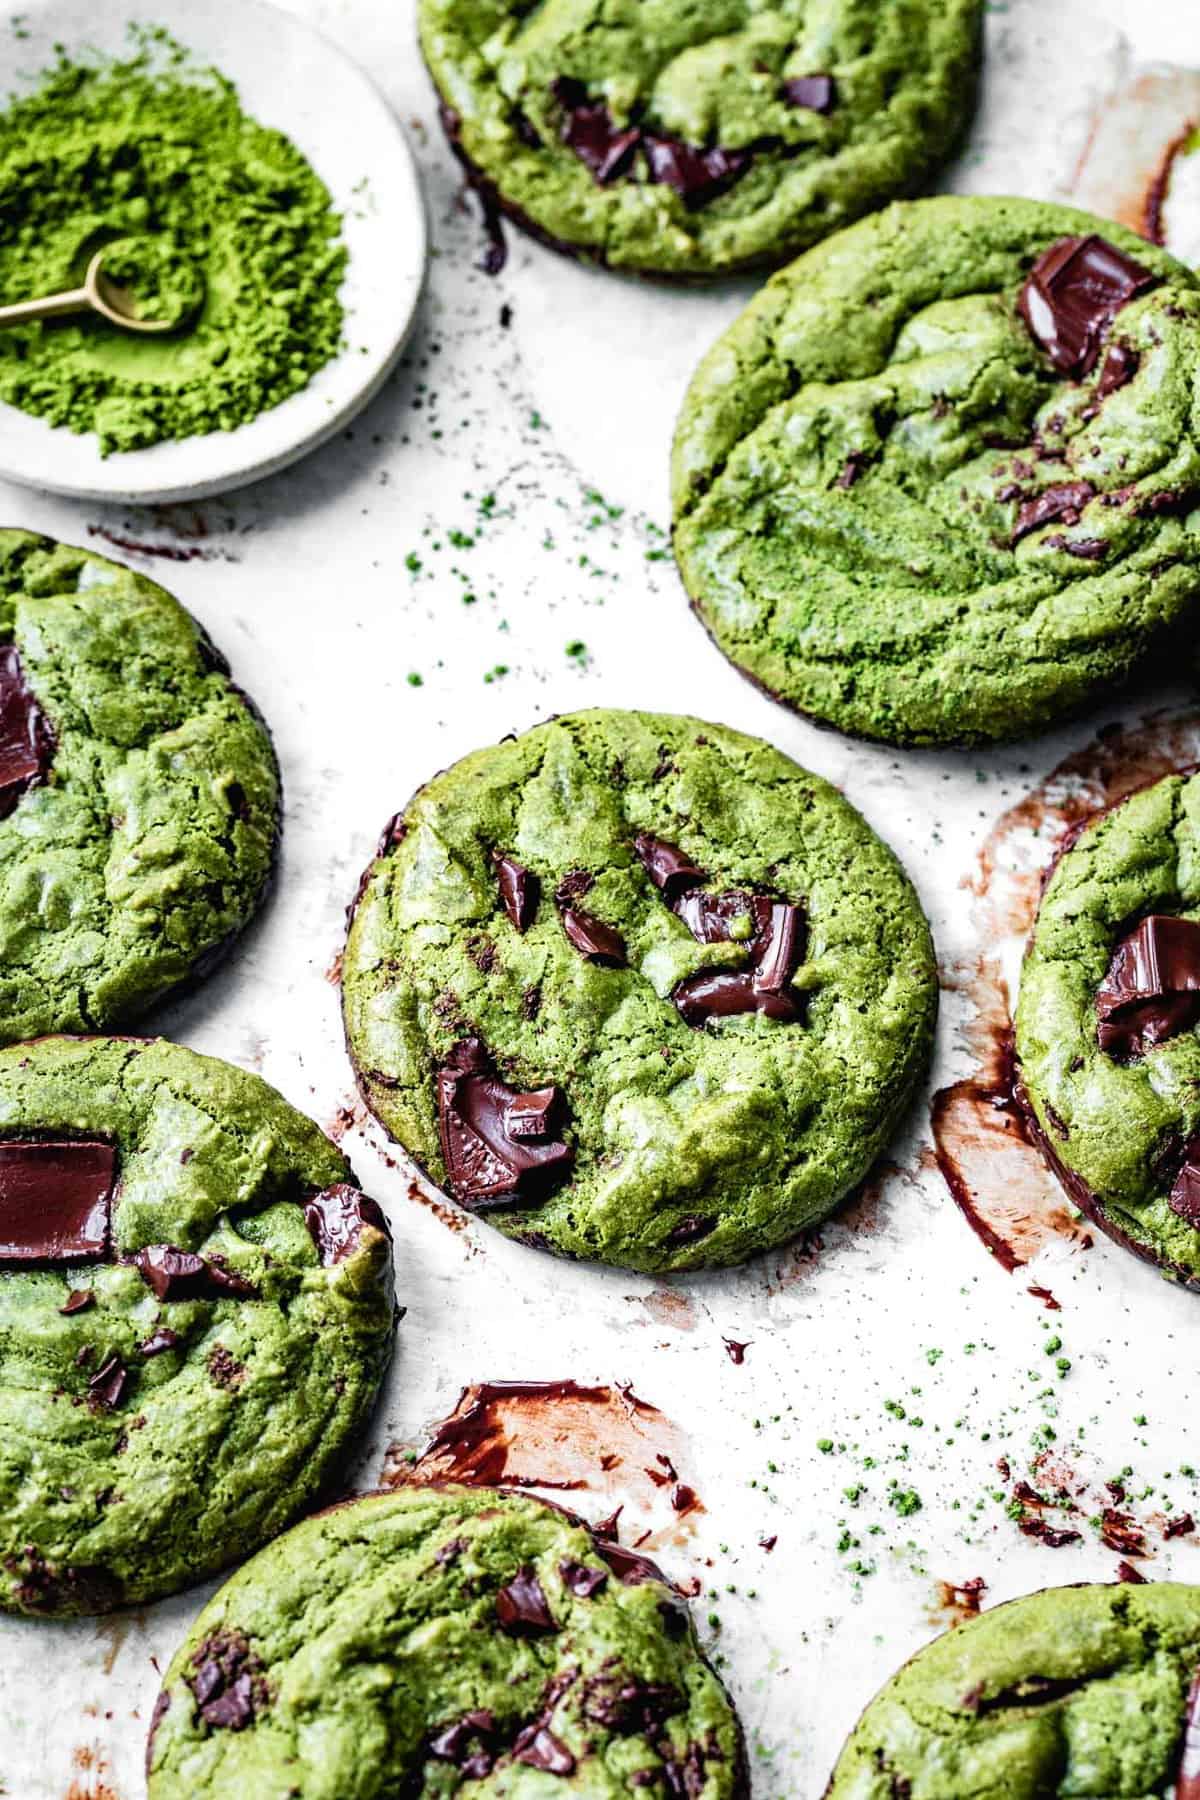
1082, 1692
1107, 1047
691, 140
195, 1316
940, 482
139, 793
638, 989
435, 1641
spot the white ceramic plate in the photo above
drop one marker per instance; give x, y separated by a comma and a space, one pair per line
290, 77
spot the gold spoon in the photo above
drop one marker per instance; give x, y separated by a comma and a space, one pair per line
98, 294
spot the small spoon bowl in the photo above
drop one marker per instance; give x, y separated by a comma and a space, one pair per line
100, 294
116, 303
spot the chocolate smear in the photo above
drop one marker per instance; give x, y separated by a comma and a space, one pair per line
229, 1681
670, 869
107, 1386
55, 1200
593, 939
1074, 292
538, 1746
1152, 988
26, 740
696, 175
78, 1300
1187, 1774
521, 1606
1065, 502
581, 1579
520, 890
487, 1164
337, 1218
816, 93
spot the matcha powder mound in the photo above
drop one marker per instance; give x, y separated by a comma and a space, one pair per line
159, 149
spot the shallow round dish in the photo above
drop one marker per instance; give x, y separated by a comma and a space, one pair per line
290, 77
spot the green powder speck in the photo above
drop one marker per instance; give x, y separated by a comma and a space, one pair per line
158, 146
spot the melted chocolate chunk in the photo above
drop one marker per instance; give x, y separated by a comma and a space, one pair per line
1065, 502
487, 1162
1074, 292
26, 741
669, 868
520, 890
55, 1201
581, 1579
337, 1218
1152, 988
521, 1606
229, 1681
538, 1746
107, 1386
724, 995
695, 174
1187, 1772
1120, 366
710, 917
78, 1300
593, 939
817, 93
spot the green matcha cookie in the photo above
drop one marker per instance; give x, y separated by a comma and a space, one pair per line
1106, 1038
439, 1640
690, 140
939, 482
195, 1316
1070, 1693
139, 794
639, 989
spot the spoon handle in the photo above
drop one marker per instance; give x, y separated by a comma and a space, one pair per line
50, 306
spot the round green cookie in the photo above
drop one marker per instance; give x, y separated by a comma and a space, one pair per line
1074, 1692
691, 140
639, 989
139, 794
195, 1316
1106, 1039
440, 1640
899, 510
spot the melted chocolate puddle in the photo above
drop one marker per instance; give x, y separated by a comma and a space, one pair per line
562, 1437
995, 1173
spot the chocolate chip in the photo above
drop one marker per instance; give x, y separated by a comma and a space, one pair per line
574, 886
590, 131
520, 890
854, 467
710, 917
172, 1274
225, 1280
337, 1218
224, 1368
670, 869
521, 1606
817, 93
107, 1386
1089, 549
456, 1742
158, 1341
1120, 366
724, 995
538, 1746
1064, 502
689, 1230
696, 175
228, 1681
781, 951
593, 939
582, 1579
1152, 988
78, 1300
1184, 1198
1073, 294
26, 740
55, 1200
486, 1162
624, 1703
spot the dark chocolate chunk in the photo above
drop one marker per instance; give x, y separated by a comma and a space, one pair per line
669, 868
1152, 988
593, 939
107, 1386
1074, 292
224, 1280
337, 1217
1120, 366
538, 1746
710, 917
1187, 1772
486, 1162
695, 174
1064, 502
520, 890
574, 886
781, 950
158, 1341
55, 1200
581, 1579
26, 741
173, 1274
726, 994
623, 1703
521, 1606
229, 1681
817, 93
455, 1743
78, 1300
855, 466
1184, 1197
691, 1229
1090, 549
590, 131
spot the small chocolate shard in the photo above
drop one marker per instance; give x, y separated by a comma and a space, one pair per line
590, 131
158, 1341
459, 1742
337, 1218
1065, 502
816, 93
487, 1164
1184, 1198
1152, 988
593, 939
711, 917
55, 1200
691, 1229
228, 1681
225, 1280
538, 1746
521, 1606
26, 740
696, 175
582, 1579
77, 1301
1187, 1773
670, 869
623, 1703
1120, 367
1074, 292
854, 467
107, 1386
520, 890
172, 1274
735, 1349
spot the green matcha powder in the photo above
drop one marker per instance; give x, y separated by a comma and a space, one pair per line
156, 148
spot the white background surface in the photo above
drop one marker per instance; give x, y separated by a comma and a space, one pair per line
303, 581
